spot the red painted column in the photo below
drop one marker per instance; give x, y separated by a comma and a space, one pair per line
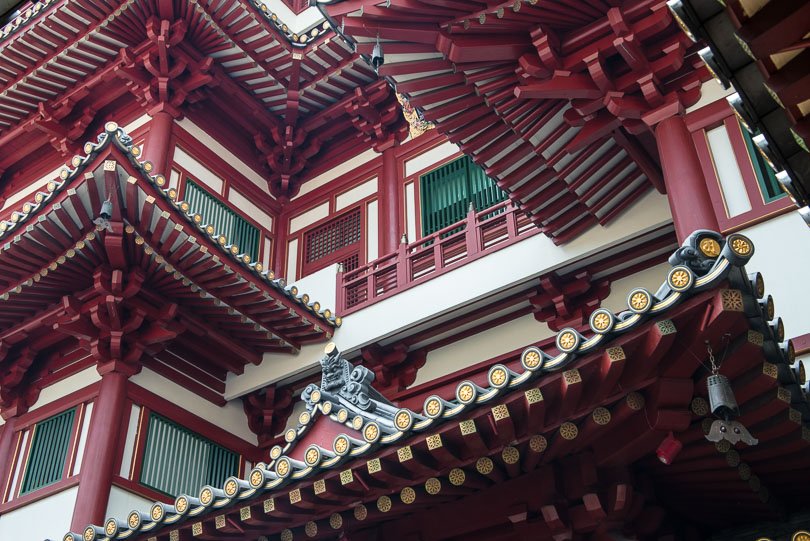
687, 192
280, 245
390, 202
7, 439
98, 464
158, 141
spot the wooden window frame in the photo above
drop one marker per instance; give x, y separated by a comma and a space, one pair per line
719, 114
360, 247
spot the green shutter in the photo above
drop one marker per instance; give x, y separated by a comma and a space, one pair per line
226, 222
49, 449
766, 176
177, 461
446, 193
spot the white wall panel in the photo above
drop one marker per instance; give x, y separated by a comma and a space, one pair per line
48, 518
122, 502
244, 205
77, 381
292, 261
198, 171
410, 210
337, 171
728, 171
356, 194
85, 430
372, 231
426, 159
129, 442
309, 217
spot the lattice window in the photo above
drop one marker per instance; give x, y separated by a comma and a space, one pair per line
766, 176
334, 241
224, 219
178, 461
49, 449
447, 192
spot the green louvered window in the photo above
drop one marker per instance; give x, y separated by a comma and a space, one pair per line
227, 222
766, 176
177, 461
49, 449
447, 192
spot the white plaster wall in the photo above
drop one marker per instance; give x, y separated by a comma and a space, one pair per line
48, 518
372, 231
309, 217
321, 286
248, 208
356, 194
452, 291
728, 171
216, 148
650, 278
230, 417
122, 502
198, 171
137, 123
77, 381
781, 254
426, 159
710, 92
330, 175
482, 346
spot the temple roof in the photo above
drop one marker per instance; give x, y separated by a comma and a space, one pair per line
352, 445
556, 100
291, 96
154, 258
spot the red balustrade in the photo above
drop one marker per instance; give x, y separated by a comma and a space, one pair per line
479, 234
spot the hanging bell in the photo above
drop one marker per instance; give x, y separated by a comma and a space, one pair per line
721, 397
377, 58
106, 209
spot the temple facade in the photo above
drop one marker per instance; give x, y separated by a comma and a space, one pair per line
409, 270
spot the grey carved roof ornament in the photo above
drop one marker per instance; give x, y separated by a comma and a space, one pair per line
350, 387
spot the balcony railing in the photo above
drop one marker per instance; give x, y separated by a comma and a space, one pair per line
479, 234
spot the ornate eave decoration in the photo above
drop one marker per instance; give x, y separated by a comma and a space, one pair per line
346, 395
114, 135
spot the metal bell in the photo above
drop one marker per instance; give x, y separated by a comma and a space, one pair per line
377, 58
721, 397
106, 209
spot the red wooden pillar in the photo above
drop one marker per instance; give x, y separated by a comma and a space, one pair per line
101, 449
280, 245
687, 192
390, 202
158, 141
7, 438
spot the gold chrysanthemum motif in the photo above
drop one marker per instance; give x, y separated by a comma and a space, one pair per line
342, 415
568, 431
403, 420
206, 495
256, 478
111, 527
635, 401
639, 300
709, 247
741, 246
341, 444
601, 416
181, 504
679, 279
156, 513
283, 467
357, 422
465, 392
601, 321
371, 432
770, 308
360, 512
275, 452
133, 520
286, 535
510, 455
311, 529
531, 359
312, 456
538, 443
68, 537
433, 486
336, 521
801, 535
484, 465
384, 504
304, 418
290, 435
231, 487
457, 477
89, 534
407, 495
433, 407
497, 377
567, 340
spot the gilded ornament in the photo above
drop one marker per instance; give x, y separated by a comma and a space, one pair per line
384, 504
283, 467
740, 245
312, 456
371, 432
336, 521
639, 300
341, 445
407, 495
567, 341
600, 321
360, 512
568, 430
531, 358
433, 486
466, 393
311, 529
457, 477
433, 407
709, 247
403, 420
